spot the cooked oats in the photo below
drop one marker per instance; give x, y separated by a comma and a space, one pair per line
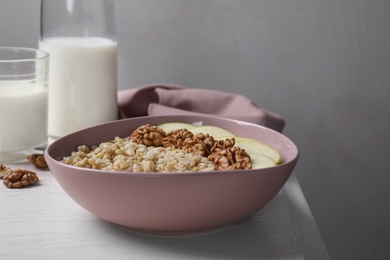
122, 154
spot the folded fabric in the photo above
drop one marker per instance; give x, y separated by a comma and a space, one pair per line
170, 99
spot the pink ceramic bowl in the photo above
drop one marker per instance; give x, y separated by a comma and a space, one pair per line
171, 203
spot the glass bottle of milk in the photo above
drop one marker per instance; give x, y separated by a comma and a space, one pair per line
80, 36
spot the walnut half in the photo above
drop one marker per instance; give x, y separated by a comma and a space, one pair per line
148, 135
226, 156
38, 160
184, 139
20, 177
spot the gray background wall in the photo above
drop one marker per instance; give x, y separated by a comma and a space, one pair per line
323, 65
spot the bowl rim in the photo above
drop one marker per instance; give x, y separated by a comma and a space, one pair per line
293, 160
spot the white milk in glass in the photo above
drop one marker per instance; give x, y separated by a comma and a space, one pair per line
23, 116
83, 80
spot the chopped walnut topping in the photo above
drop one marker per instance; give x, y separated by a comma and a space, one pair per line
20, 177
4, 170
222, 153
38, 160
148, 135
226, 156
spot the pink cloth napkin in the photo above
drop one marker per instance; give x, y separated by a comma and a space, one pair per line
170, 99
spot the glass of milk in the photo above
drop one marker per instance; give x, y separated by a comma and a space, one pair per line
80, 36
23, 102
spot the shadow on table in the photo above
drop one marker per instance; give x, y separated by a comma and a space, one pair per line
250, 239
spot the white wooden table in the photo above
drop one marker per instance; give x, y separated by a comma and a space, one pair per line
42, 222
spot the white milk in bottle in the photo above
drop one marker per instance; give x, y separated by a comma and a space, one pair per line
83, 83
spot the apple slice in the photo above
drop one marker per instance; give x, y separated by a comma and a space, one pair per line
252, 146
175, 125
224, 137
260, 161
214, 131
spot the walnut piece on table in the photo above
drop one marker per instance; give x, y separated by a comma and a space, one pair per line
19, 177
4, 170
226, 156
38, 160
148, 135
